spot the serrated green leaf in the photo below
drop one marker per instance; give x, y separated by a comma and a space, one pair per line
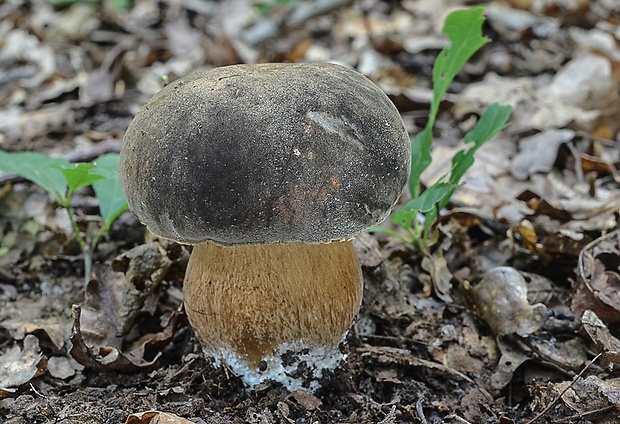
121, 4
492, 121
403, 218
109, 191
39, 169
464, 29
64, 3
428, 199
79, 175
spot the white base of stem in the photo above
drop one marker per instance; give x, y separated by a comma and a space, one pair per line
294, 365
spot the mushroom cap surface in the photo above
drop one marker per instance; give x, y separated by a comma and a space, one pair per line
252, 154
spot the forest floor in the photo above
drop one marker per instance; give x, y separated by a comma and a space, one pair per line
511, 317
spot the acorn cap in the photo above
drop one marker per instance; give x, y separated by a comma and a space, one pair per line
251, 154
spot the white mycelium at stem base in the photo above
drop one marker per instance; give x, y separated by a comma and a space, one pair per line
276, 311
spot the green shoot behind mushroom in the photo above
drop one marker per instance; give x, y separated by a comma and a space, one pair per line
417, 217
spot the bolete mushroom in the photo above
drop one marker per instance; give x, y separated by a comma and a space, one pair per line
269, 170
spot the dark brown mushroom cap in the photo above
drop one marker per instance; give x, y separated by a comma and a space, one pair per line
265, 153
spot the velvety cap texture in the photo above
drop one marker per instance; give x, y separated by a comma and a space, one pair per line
265, 153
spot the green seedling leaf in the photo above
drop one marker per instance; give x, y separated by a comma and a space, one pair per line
464, 29
266, 8
430, 218
425, 203
492, 121
428, 199
403, 218
121, 4
114, 4
79, 175
108, 190
39, 169
420, 158
64, 3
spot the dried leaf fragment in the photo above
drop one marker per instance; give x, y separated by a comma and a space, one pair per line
56, 328
602, 337
113, 301
538, 152
437, 267
598, 399
155, 417
60, 367
18, 366
307, 400
598, 279
104, 356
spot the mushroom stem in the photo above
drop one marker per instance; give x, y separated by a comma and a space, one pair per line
248, 303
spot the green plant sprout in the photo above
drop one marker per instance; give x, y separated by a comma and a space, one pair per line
265, 8
115, 4
60, 178
417, 216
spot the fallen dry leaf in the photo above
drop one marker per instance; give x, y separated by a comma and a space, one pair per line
605, 342
598, 279
532, 108
113, 301
592, 396
512, 357
156, 417
584, 82
440, 276
19, 366
538, 152
56, 328
307, 400
60, 367
36, 59
28, 316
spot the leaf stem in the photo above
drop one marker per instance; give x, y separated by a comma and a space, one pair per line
76, 229
88, 263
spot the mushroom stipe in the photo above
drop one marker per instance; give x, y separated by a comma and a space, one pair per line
253, 303
269, 170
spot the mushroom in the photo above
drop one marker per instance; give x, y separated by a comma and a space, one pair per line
269, 170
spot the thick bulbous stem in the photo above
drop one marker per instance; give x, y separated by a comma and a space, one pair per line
249, 304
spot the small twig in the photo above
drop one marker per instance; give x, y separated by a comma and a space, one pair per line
557, 399
420, 411
184, 368
390, 417
578, 165
36, 392
457, 418
583, 415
